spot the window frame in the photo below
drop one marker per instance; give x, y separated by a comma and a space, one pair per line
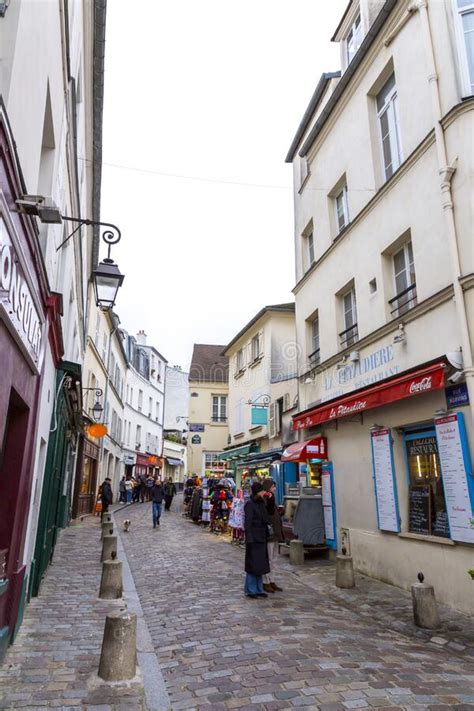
410, 274
221, 410
353, 31
354, 337
467, 85
345, 208
255, 351
390, 106
315, 355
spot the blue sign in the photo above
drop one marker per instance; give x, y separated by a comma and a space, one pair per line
194, 427
195, 439
457, 395
259, 416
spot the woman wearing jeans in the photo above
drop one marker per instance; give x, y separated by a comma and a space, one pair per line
274, 517
256, 534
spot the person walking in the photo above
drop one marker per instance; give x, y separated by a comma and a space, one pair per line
106, 495
157, 496
276, 536
129, 489
170, 491
122, 491
256, 535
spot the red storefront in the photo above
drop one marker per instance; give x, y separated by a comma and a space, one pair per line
26, 307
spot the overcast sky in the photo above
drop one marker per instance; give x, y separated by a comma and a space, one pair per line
202, 100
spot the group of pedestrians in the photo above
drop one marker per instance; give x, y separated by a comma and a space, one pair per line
132, 490
263, 533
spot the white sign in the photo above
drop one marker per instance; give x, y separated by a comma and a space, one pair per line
327, 506
384, 481
370, 369
458, 502
16, 299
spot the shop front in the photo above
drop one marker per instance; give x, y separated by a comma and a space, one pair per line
399, 480
87, 481
231, 460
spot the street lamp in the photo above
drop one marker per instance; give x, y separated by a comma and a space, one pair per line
97, 408
106, 277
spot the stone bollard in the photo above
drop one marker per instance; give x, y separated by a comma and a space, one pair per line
344, 572
109, 546
296, 552
118, 658
106, 518
425, 610
107, 529
111, 581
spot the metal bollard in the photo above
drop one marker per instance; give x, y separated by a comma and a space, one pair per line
109, 546
118, 658
425, 609
296, 552
111, 581
344, 572
106, 518
107, 529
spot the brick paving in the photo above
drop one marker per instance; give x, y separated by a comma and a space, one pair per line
54, 660
312, 646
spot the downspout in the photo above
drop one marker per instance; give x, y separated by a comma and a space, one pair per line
446, 172
106, 392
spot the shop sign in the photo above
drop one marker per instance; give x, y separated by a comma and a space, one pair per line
370, 369
196, 427
259, 416
195, 439
129, 459
431, 378
17, 304
457, 395
457, 476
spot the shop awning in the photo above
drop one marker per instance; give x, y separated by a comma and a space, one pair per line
316, 448
262, 458
235, 453
174, 462
416, 383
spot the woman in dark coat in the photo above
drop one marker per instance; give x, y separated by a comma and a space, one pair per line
274, 517
256, 535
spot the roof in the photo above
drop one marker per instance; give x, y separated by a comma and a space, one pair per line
368, 40
208, 364
346, 12
309, 113
280, 308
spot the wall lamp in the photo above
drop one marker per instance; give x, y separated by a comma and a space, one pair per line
106, 277
265, 401
97, 408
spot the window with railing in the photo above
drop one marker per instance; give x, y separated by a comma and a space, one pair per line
219, 408
350, 334
405, 282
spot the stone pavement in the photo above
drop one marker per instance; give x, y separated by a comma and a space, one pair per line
54, 660
307, 647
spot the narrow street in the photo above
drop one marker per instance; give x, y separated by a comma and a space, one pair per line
303, 647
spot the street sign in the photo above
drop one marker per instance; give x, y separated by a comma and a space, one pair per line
196, 427
195, 439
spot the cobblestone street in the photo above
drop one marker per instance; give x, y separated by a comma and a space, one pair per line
312, 646
303, 647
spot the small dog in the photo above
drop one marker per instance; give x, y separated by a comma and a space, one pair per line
126, 525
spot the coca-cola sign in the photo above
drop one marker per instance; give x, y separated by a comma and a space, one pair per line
383, 393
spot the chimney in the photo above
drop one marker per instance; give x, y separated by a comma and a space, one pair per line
141, 338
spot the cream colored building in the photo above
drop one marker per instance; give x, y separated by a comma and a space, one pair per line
208, 408
384, 289
262, 387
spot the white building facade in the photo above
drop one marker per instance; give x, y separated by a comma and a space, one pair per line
385, 290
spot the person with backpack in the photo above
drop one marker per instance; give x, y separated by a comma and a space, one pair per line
170, 491
157, 495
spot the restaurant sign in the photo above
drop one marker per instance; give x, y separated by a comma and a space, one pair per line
17, 304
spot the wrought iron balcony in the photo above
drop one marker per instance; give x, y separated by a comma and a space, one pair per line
404, 301
349, 336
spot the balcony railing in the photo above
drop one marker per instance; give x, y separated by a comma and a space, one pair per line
315, 357
404, 301
219, 419
349, 336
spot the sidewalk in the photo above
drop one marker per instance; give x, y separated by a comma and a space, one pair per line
54, 660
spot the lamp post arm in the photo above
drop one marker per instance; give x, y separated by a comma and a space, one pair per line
110, 236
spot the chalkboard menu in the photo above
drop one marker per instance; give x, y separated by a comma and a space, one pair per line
420, 509
441, 524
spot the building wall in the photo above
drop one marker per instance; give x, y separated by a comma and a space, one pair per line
176, 399
214, 437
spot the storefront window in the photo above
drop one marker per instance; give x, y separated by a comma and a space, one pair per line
314, 474
427, 505
86, 480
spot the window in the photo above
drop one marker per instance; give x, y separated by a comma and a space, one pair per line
387, 113
150, 407
464, 19
350, 333
140, 399
97, 332
240, 363
157, 417
212, 463
314, 356
138, 439
307, 246
219, 408
373, 285
342, 209
131, 397
427, 506
256, 347
354, 39
104, 347
405, 283
310, 239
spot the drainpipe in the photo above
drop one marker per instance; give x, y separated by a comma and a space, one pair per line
106, 392
446, 172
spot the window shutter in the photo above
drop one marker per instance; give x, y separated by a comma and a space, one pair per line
286, 402
271, 421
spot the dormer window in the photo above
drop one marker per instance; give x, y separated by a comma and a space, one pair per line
354, 39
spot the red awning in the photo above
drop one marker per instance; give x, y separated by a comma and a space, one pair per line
422, 381
316, 448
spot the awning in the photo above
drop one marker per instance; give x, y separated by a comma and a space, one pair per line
174, 462
235, 453
316, 448
417, 383
262, 458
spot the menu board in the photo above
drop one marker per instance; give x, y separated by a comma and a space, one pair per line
457, 480
384, 481
326, 487
328, 505
420, 509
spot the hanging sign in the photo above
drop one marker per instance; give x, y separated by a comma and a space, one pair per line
385, 486
457, 476
97, 430
259, 416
